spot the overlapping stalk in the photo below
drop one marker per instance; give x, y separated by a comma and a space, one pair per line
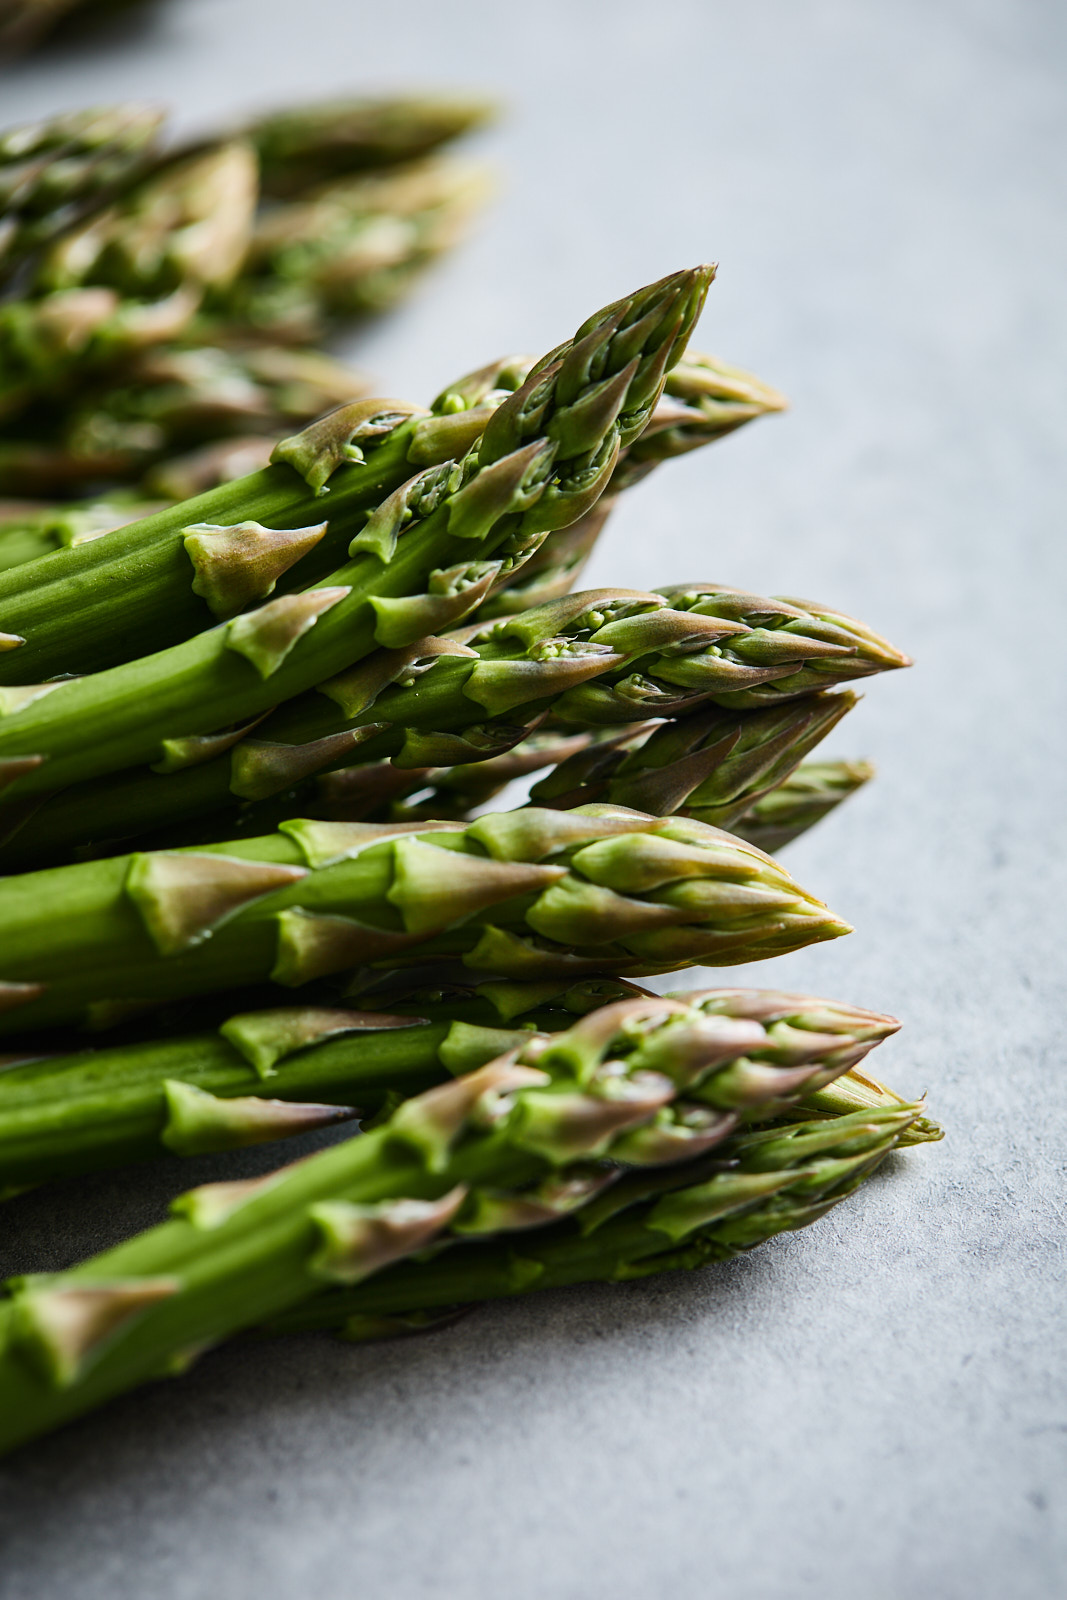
168, 399
703, 400
59, 610
30, 528
266, 1075
493, 1151
806, 796
755, 1186
523, 894
714, 765
422, 562
603, 656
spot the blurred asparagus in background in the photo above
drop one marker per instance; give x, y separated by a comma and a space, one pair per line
168, 400
128, 277
94, 384
303, 146
26, 23
55, 170
351, 248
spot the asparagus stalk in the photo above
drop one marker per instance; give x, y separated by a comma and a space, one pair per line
525, 894
473, 696
808, 795
57, 608
129, 276
542, 461
56, 169
378, 792
703, 400
29, 529
168, 398
307, 145
348, 249
714, 765
760, 1185
465, 1152
266, 1075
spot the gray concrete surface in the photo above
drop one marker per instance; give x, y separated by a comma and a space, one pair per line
876, 1407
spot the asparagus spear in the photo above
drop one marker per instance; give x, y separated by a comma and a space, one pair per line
167, 398
307, 145
129, 276
703, 400
29, 529
54, 170
759, 1185
815, 789
529, 893
236, 1254
378, 792
350, 248
542, 461
145, 568
713, 766
453, 701
266, 1075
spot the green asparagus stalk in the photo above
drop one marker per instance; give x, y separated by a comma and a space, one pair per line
351, 248
182, 477
166, 399
304, 146
471, 696
29, 529
703, 400
524, 894
56, 169
378, 792
714, 765
57, 610
466, 1153
266, 1075
552, 571
776, 1182
808, 795
542, 460
129, 276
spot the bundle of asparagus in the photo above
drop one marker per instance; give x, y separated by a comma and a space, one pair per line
543, 1132
290, 695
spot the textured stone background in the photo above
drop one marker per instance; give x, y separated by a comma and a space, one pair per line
876, 1407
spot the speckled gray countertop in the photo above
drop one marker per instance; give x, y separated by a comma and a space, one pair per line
875, 1407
